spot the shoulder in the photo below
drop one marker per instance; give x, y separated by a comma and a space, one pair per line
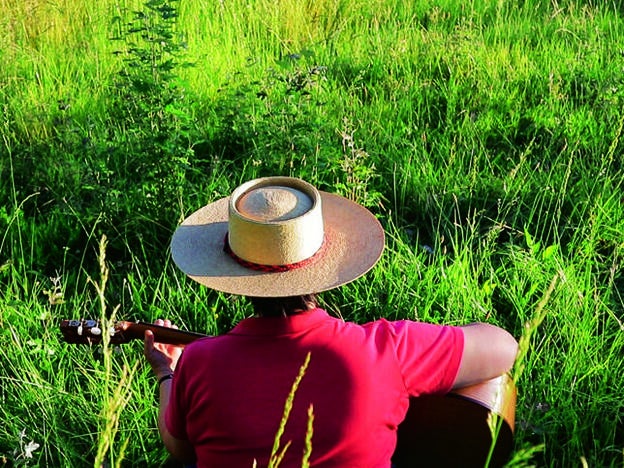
411, 330
197, 349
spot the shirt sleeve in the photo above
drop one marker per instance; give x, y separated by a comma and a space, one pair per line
429, 355
175, 414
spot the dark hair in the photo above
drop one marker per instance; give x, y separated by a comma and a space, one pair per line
283, 306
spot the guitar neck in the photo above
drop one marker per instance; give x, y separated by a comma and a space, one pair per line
166, 335
90, 332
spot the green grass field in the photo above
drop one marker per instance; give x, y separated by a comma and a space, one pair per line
487, 136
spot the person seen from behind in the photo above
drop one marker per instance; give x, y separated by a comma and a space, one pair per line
278, 241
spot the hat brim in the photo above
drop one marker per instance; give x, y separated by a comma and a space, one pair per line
354, 241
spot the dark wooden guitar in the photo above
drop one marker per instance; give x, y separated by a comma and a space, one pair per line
453, 430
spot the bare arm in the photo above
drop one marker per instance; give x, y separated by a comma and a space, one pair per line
163, 359
489, 351
180, 449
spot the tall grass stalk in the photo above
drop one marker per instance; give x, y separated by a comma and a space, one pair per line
530, 328
116, 389
495, 422
307, 452
278, 451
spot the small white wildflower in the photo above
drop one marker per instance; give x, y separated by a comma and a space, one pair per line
26, 450
30, 448
55, 295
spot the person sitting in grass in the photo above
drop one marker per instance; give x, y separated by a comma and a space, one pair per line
279, 241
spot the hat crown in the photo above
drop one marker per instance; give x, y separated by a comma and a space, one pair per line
275, 221
273, 203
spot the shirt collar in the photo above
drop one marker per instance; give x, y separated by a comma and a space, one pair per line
275, 326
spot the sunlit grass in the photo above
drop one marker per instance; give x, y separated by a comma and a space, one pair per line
487, 136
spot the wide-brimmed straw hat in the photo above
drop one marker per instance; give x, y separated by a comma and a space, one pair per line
277, 237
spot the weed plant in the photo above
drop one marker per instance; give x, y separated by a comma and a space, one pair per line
486, 136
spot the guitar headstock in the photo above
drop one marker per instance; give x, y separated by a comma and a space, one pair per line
90, 332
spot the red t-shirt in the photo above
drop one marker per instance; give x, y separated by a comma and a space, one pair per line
229, 391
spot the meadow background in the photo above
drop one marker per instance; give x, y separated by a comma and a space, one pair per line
485, 135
